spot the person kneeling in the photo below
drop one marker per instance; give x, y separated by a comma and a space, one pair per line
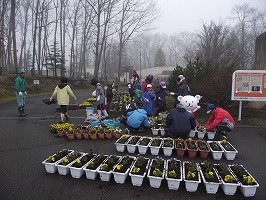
137, 120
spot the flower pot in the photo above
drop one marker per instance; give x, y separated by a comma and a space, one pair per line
173, 183
179, 150
203, 148
78, 135
248, 189
200, 134
191, 185
137, 179
216, 154
155, 181
93, 136
108, 135
192, 133
155, 131
211, 135
142, 145
121, 143
105, 175
132, 144
155, 149
120, 176
50, 163
167, 150
117, 135
71, 136
101, 136
61, 133
162, 132
86, 136
228, 154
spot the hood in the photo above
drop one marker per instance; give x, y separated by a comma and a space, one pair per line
62, 85
180, 107
98, 84
142, 111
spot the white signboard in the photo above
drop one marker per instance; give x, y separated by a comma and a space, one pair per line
36, 82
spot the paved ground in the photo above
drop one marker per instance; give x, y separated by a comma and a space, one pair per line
26, 142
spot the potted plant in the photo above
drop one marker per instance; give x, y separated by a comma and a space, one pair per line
70, 133
155, 129
191, 176
229, 181
139, 170
76, 170
118, 132
180, 147
173, 173
211, 135
155, 145
200, 131
132, 143
209, 177
109, 132
93, 133
156, 172
168, 146
85, 133
229, 151
63, 165
50, 162
100, 132
121, 143
121, 170
216, 150
91, 167
248, 184
143, 144
77, 131
191, 147
203, 148
106, 168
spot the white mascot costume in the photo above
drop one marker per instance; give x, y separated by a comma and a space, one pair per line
190, 103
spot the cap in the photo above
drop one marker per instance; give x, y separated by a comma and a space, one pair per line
21, 71
181, 77
163, 84
64, 79
149, 85
210, 107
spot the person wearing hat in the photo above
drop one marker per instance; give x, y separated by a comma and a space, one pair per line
148, 100
220, 120
183, 79
21, 92
160, 101
62, 92
137, 119
181, 89
148, 80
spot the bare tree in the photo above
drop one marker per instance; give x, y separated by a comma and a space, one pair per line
3, 10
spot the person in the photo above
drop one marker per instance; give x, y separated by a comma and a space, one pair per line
183, 79
180, 90
148, 80
135, 78
62, 92
130, 90
109, 93
100, 99
220, 120
138, 119
21, 92
148, 100
115, 91
160, 101
128, 108
180, 122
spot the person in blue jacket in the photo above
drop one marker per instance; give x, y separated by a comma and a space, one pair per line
137, 119
180, 122
148, 100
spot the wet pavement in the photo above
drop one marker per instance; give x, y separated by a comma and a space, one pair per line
26, 142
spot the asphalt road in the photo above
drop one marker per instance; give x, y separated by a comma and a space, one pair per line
26, 142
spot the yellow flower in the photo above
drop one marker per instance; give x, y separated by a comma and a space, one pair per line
119, 167
210, 173
228, 178
78, 161
248, 179
223, 142
135, 170
66, 160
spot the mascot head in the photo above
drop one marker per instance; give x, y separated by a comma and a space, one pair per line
190, 103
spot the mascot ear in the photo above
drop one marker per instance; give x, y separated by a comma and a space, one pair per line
179, 98
198, 97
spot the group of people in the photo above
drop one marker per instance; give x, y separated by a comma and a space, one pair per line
179, 121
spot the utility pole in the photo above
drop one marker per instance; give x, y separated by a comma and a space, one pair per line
140, 64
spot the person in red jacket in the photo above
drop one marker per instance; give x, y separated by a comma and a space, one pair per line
220, 120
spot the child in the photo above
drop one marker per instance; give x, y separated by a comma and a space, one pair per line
100, 99
62, 92
148, 100
160, 102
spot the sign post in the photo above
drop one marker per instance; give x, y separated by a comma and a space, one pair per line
36, 82
248, 85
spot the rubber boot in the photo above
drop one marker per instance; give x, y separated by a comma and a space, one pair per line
67, 116
62, 117
99, 114
21, 114
105, 114
23, 111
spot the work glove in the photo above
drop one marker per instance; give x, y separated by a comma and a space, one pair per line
25, 93
146, 100
51, 99
171, 93
20, 93
98, 98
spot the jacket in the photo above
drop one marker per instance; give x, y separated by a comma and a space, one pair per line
181, 89
20, 84
148, 102
160, 100
137, 117
180, 122
99, 91
62, 92
219, 116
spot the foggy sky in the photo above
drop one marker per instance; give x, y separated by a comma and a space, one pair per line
187, 15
